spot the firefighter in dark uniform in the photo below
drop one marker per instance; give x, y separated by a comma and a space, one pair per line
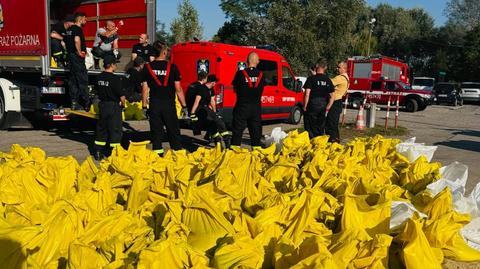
57, 44
162, 84
248, 85
341, 83
204, 109
318, 99
190, 99
77, 49
112, 100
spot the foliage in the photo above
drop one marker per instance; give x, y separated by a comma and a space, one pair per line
187, 26
304, 30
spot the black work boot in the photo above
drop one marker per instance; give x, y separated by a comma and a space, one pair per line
227, 141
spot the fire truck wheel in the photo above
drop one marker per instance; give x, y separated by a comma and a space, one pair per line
3, 113
295, 116
411, 105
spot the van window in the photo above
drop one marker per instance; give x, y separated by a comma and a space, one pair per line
376, 85
203, 65
288, 79
390, 86
270, 72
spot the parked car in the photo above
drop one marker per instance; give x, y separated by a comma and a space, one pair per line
448, 93
470, 91
423, 83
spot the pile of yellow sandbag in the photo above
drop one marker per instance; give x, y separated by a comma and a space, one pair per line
313, 205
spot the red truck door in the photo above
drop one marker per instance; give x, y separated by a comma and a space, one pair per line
288, 90
270, 100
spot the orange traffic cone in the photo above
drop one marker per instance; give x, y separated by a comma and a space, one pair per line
360, 124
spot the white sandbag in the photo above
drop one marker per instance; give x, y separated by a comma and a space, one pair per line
402, 211
276, 137
414, 150
454, 176
471, 233
89, 62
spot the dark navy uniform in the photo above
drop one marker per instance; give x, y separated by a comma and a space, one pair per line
109, 124
78, 82
248, 85
320, 89
161, 77
215, 126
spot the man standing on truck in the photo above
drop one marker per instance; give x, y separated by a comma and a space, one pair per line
248, 85
161, 81
57, 43
112, 100
143, 49
106, 43
318, 99
341, 84
204, 108
76, 49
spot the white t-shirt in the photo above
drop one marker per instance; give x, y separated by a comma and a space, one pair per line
105, 43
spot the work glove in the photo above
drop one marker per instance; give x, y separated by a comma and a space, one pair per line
193, 118
115, 52
145, 112
184, 113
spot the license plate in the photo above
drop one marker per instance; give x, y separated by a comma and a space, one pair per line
442, 95
53, 90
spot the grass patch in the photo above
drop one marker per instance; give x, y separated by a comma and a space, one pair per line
348, 131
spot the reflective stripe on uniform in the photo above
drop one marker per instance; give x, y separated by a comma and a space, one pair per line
159, 151
216, 135
226, 133
100, 143
58, 53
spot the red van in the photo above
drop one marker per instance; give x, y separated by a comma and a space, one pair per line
282, 97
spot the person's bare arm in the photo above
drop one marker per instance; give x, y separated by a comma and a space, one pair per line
56, 35
198, 98
213, 104
78, 46
134, 55
108, 33
115, 44
306, 99
180, 94
152, 58
330, 101
123, 101
145, 91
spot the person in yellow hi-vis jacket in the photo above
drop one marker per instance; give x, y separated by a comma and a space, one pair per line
341, 84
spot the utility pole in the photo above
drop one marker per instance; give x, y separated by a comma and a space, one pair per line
370, 30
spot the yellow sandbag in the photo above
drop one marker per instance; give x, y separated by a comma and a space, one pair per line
417, 252
238, 252
442, 228
418, 175
312, 253
370, 212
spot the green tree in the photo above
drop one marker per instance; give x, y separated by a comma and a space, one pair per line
464, 12
187, 26
162, 34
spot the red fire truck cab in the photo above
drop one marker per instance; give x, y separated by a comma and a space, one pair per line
29, 84
379, 79
282, 96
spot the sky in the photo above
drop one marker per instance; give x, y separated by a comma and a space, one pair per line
212, 16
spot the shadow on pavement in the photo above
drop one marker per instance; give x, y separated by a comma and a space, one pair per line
474, 133
461, 144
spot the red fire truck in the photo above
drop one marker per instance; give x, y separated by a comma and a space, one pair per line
379, 79
282, 97
28, 84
